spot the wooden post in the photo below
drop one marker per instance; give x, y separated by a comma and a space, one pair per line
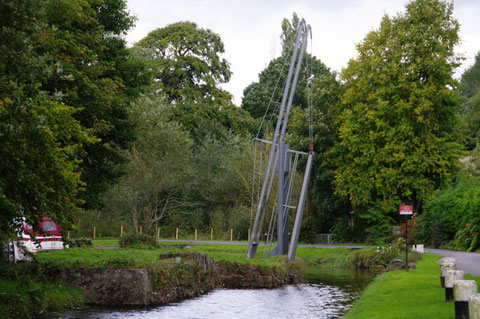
140, 230
176, 233
94, 230
231, 234
158, 231
249, 234
474, 306
195, 234
211, 234
68, 234
121, 231
462, 290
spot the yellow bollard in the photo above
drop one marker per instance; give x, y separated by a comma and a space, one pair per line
140, 230
121, 231
231, 234
211, 234
176, 234
68, 234
195, 234
94, 230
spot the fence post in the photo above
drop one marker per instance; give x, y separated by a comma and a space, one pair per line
211, 234
176, 233
444, 267
462, 290
451, 276
474, 306
195, 234
94, 230
231, 234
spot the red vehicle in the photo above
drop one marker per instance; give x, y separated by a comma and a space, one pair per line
50, 238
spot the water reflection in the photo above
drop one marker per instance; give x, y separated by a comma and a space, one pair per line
329, 293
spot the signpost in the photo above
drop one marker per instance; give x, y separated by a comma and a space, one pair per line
406, 210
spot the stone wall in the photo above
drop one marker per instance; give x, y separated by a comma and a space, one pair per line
138, 287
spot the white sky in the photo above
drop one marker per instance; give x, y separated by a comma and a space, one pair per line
250, 29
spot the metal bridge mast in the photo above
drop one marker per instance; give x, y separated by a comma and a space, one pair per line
278, 162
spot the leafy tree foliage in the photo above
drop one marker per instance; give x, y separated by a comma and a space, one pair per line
325, 207
41, 141
289, 29
397, 133
257, 96
153, 186
63, 103
470, 111
187, 62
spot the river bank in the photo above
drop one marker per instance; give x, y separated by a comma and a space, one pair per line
406, 294
168, 274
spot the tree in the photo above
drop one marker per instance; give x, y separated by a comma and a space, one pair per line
187, 62
62, 65
397, 132
157, 160
257, 96
470, 92
324, 206
289, 30
41, 140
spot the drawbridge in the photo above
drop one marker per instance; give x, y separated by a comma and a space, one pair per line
276, 166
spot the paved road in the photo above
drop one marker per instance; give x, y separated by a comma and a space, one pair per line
220, 242
468, 262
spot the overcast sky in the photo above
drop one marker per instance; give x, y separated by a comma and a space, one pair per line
250, 29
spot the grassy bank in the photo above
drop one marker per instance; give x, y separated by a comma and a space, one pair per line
400, 294
25, 297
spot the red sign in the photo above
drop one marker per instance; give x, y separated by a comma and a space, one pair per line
406, 209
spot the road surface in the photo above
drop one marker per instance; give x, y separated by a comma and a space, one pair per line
468, 262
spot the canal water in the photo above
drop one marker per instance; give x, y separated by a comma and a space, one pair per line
328, 293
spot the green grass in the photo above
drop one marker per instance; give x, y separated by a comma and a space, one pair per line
93, 257
26, 298
404, 295
105, 242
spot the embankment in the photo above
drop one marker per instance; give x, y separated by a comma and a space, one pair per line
182, 275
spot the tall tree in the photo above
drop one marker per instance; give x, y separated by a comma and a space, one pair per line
157, 161
398, 133
66, 77
187, 62
289, 29
257, 96
41, 141
470, 111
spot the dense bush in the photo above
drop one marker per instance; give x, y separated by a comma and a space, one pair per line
452, 217
139, 241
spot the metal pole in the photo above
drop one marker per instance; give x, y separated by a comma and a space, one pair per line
292, 250
406, 241
253, 244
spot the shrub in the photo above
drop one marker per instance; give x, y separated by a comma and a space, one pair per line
452, 218
139, 241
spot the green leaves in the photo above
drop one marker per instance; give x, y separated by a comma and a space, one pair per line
187, 61
398, 130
